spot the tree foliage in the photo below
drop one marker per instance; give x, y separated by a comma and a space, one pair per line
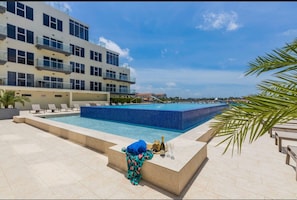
274, 103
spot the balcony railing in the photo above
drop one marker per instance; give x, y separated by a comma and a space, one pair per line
119, 78
45, 43
52, 84
3, 6
3, 32
119, 91
53, 66
3, 57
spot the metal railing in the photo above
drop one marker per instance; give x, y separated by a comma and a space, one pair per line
52, 45
53, 66
119, 78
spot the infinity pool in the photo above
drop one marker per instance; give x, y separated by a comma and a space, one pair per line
176, 116
137, 131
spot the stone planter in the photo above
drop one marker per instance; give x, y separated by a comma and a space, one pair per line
8, 113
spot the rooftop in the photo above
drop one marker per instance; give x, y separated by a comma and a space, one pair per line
38, 164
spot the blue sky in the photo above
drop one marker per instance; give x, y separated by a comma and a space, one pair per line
189, 49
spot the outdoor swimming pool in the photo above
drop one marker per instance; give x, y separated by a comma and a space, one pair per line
175, 116
135, 131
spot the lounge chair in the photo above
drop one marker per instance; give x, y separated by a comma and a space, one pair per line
284, 135
36, 108
76, 107
292, 152
64, 107
288, 127
52, 107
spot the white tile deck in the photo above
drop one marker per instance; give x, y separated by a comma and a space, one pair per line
37, 164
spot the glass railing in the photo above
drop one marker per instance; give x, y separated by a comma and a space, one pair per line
119, 91
3, 32
3, 6
53, 66
119, 78
3, 56
52, 84
53, 45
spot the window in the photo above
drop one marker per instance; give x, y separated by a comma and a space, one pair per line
77, 51
21, 57
20, 79
77, 84
123, 77
112, 58
11, 6
30, 37
52, 22
110, 74
78, 30
45, 19
123, 89
96, 71
95, 86
11, 78
30, 58
77, 67
95, 56
20, 9
21, 34
11, 32
29, 13
110, 87
11, 55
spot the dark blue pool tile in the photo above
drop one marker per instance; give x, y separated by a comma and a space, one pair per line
178, 120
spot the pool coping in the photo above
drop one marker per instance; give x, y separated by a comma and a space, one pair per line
171, 175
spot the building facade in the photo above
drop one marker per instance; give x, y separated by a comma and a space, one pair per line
45, 54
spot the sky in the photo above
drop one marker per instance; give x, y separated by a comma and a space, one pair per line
189, 49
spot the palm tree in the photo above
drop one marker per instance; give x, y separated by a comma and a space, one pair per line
8, 98
275, 103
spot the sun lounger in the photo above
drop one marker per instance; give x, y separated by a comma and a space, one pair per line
52, 107
64, 107
283, 127
76, 107
292, 152
36, 108
284, 135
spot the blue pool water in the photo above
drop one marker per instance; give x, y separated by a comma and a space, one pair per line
149, 134
138, 131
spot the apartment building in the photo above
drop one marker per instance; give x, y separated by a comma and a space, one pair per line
45, 54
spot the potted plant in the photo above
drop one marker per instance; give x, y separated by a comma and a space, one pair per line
7, 99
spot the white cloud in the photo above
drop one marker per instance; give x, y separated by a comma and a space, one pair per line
170, 84
115, 47
290, 32
64, 7
223, 20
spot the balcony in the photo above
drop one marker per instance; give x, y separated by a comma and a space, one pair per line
3, 57
52, 45
119, 91
3, 6
3, 32
119, 78
52, 84
53, 66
